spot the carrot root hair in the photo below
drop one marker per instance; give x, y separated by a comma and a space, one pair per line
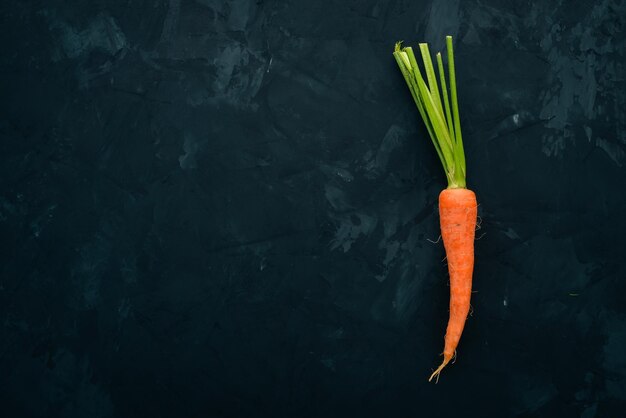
437, 372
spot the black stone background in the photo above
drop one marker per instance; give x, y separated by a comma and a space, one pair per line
226, 209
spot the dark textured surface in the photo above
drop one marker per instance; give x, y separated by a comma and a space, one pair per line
225, 209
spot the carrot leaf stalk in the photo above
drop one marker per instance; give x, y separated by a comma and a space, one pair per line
439, 111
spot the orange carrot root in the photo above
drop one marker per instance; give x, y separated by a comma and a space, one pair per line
458, 214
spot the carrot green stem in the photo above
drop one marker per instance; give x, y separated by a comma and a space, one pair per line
404, 62
444, 93
430, 73
444, 128
455, 104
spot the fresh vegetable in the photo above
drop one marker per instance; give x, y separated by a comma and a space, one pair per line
457, 204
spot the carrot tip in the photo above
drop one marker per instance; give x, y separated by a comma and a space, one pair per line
437, 372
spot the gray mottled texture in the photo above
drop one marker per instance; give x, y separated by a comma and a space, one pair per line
220, 208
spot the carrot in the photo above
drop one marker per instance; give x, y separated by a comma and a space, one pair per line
457, 204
